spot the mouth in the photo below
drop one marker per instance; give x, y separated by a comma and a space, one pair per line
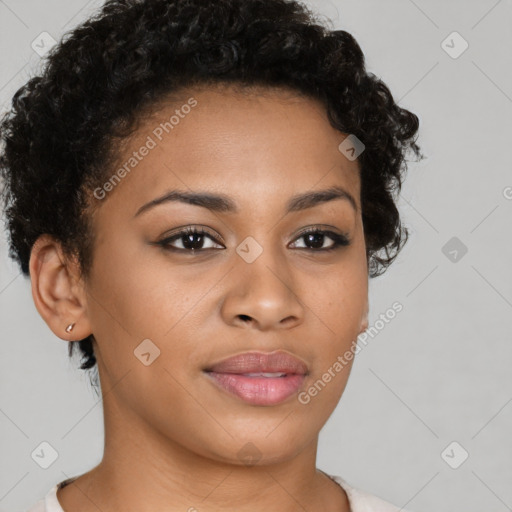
259, 378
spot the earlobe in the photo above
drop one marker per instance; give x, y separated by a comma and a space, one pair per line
57, 293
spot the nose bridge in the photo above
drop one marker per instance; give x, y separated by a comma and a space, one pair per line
262, 264
263, 284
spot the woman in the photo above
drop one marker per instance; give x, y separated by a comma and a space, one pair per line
199, 192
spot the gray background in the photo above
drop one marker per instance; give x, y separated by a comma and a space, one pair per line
437, 373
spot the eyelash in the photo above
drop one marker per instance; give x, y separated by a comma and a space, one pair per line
339, 240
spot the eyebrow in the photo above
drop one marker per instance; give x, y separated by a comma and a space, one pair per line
224, 204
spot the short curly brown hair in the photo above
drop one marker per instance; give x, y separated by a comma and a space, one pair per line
59, 137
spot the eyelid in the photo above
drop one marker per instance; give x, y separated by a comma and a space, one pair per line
321, 227
193, 228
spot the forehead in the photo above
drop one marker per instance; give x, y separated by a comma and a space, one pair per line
243, 142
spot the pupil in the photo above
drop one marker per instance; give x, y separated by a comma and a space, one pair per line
315, 238
189, 243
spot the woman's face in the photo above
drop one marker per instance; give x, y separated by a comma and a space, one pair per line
162, 314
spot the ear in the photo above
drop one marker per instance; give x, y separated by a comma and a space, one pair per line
58, 293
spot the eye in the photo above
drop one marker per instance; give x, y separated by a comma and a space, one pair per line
316, 237
191, 240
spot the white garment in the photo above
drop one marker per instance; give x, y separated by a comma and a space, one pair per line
360, 501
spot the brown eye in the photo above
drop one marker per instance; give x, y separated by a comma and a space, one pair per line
191, 239
315, 239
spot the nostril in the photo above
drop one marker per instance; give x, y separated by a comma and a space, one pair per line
245, 318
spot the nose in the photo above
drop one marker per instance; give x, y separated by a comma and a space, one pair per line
262, 294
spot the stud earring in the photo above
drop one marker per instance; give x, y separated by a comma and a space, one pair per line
69, 327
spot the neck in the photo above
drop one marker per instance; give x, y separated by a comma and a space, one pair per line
143, 469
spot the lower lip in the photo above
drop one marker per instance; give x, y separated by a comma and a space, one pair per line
259, 390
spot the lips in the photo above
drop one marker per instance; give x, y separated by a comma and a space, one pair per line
258, 378
277, 362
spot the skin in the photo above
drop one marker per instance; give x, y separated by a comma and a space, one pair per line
172, 437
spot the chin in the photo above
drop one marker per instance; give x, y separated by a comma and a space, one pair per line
260, 449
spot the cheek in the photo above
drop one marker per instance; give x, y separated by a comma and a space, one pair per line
339, 298
340, 305
135, 289
136, 300
125, 302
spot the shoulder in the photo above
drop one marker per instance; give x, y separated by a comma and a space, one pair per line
362, 501
38, 507
49, 503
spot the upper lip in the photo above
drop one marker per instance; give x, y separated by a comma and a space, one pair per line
260, 362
